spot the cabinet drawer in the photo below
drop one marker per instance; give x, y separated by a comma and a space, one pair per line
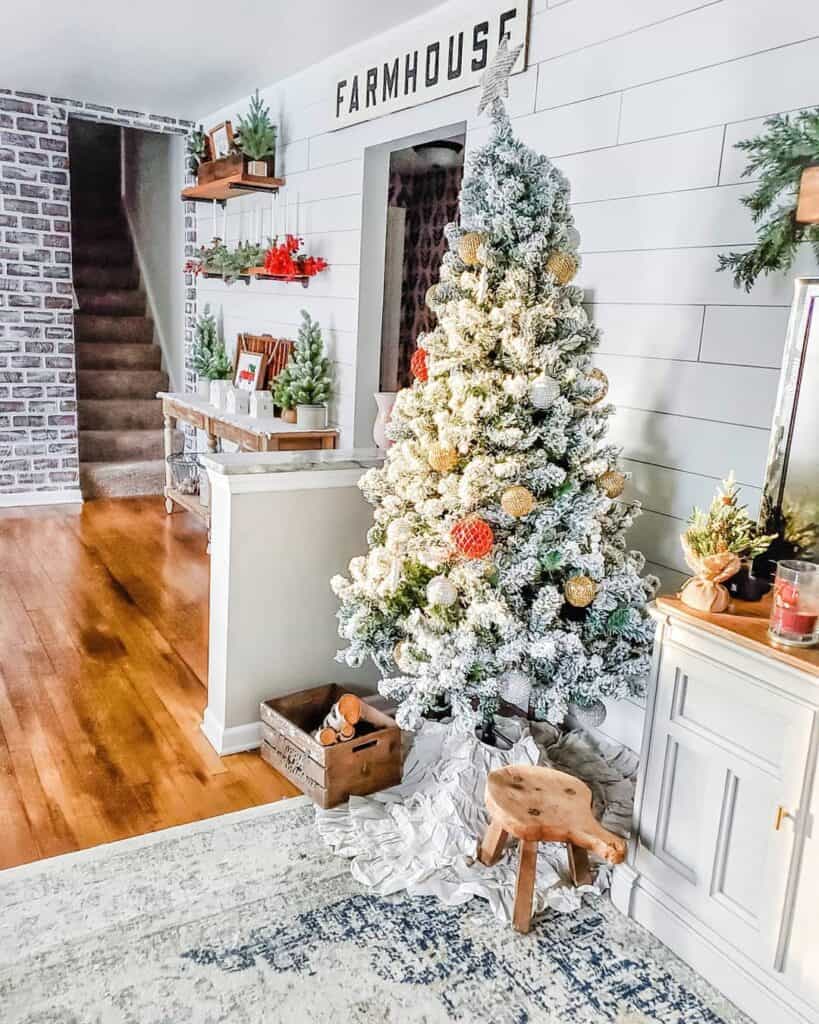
730, 709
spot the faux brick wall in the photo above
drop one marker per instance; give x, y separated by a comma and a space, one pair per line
38, 399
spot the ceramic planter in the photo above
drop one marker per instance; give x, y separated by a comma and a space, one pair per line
203, 388
312, 417
218, 392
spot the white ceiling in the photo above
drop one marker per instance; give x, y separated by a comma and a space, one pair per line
180, 58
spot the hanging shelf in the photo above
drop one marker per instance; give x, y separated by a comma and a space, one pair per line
258, 273
222, 189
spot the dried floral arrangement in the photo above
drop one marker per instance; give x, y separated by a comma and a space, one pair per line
726, 526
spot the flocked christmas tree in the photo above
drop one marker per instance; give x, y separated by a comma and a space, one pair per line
307, 379
498, 566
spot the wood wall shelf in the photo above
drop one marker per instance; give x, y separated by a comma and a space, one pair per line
257, 273
222, 189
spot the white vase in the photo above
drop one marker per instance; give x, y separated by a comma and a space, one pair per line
203, 388
385, 401
312, 417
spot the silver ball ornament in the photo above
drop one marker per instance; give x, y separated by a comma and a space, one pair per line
543, 391
590, 716
516, 688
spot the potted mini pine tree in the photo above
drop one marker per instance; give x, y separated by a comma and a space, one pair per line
256, 138
306, 381
205, 343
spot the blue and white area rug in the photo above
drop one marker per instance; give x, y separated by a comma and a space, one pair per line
249, 918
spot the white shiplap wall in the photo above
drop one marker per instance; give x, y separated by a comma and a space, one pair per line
639, 102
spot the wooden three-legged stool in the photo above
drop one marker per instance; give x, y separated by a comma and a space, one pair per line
541, 805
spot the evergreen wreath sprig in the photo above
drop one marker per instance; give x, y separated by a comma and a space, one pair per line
777, 157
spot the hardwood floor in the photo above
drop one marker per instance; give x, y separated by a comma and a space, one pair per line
103, 665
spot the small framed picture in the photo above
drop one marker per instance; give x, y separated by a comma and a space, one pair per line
221, 140
250, 367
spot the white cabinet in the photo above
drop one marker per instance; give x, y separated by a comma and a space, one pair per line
725, 858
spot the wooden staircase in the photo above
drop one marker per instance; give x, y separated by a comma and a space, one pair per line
119, 368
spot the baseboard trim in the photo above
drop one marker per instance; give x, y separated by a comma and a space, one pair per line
232, 740
25, 498
739, 979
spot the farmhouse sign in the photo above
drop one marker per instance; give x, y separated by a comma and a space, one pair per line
424, 62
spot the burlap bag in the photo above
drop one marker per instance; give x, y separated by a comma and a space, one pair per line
704, 591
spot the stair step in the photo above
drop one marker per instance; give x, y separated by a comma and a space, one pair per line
95, 327
103, 252
111, 301
90, 228
86, 275
120, 414
120, 383
122, 479
124, 445
118, 355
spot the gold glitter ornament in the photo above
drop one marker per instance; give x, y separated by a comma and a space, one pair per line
597, 375
441, 458
468, 245
612, 483
579, 591
399, 655
563, 265
517, 501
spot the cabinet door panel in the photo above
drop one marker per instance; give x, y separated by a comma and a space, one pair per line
725, 752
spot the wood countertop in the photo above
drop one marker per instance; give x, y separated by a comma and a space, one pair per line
746, 623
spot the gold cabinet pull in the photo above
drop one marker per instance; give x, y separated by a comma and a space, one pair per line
781, 814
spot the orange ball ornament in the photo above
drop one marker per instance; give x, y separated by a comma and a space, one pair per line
418, 365
473, 537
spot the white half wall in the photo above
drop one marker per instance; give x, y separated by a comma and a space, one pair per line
277, 538
153, 166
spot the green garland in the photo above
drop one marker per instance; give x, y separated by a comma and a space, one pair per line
777, 157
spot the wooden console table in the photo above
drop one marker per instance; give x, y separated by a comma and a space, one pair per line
251, 434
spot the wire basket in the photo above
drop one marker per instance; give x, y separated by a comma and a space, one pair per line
184, 472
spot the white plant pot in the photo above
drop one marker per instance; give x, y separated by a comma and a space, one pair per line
385, 401
312, 417
203, 388
218, 392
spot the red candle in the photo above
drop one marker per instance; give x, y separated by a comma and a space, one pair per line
791, 620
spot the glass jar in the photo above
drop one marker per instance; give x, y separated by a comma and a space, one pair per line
795, 608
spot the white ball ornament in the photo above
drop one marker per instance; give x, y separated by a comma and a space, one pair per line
543, 391
398, 533
442, 591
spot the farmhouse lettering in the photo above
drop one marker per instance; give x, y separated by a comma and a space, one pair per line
446, 62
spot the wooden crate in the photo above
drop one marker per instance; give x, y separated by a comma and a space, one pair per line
329, 775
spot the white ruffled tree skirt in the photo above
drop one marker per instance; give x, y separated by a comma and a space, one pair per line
422, 835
